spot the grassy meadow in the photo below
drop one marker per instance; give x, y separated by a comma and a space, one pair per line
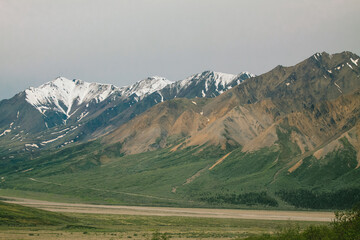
18, 222
95, 174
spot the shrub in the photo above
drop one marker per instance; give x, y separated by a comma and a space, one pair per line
346, 226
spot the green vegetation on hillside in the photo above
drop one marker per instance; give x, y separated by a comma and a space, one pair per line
249, 199
259, 179
17, 215
285, 139
182, 178
302, 198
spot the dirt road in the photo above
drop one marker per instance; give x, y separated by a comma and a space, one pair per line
169, 211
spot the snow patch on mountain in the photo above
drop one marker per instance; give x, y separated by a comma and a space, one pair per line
317, 55
223, 78
64, 130
32, 145
68, 96
52, 140
4, 133
221, 81
217, 78
82, 115
354, 61
147, 86
162, 97
187, 81
63, 95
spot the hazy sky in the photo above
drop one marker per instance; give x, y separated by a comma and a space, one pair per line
123, 41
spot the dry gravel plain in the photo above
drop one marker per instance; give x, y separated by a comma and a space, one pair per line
179, 223
170, 211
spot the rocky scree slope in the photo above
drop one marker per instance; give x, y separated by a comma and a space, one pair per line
318, 99
63, 111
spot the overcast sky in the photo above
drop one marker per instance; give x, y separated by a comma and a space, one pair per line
123, 41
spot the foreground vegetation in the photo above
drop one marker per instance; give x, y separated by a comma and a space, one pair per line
25, 222
346, 226
48, 225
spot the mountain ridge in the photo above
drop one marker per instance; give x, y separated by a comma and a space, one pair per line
261, 104
287, 138
90, 110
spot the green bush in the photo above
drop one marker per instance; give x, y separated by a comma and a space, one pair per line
346, 226
160, 236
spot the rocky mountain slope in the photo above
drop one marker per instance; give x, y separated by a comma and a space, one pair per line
65, 111
287, 138
317, 97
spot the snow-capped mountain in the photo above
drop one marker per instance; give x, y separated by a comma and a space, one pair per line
64, 111
65, 96
208, 84
146, 87
70, 99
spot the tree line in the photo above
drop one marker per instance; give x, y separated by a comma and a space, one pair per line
251, 198
302, 198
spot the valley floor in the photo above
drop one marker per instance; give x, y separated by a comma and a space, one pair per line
90, 221
170, 211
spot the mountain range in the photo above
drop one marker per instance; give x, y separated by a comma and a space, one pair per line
308, 97
286, 138
65, 111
